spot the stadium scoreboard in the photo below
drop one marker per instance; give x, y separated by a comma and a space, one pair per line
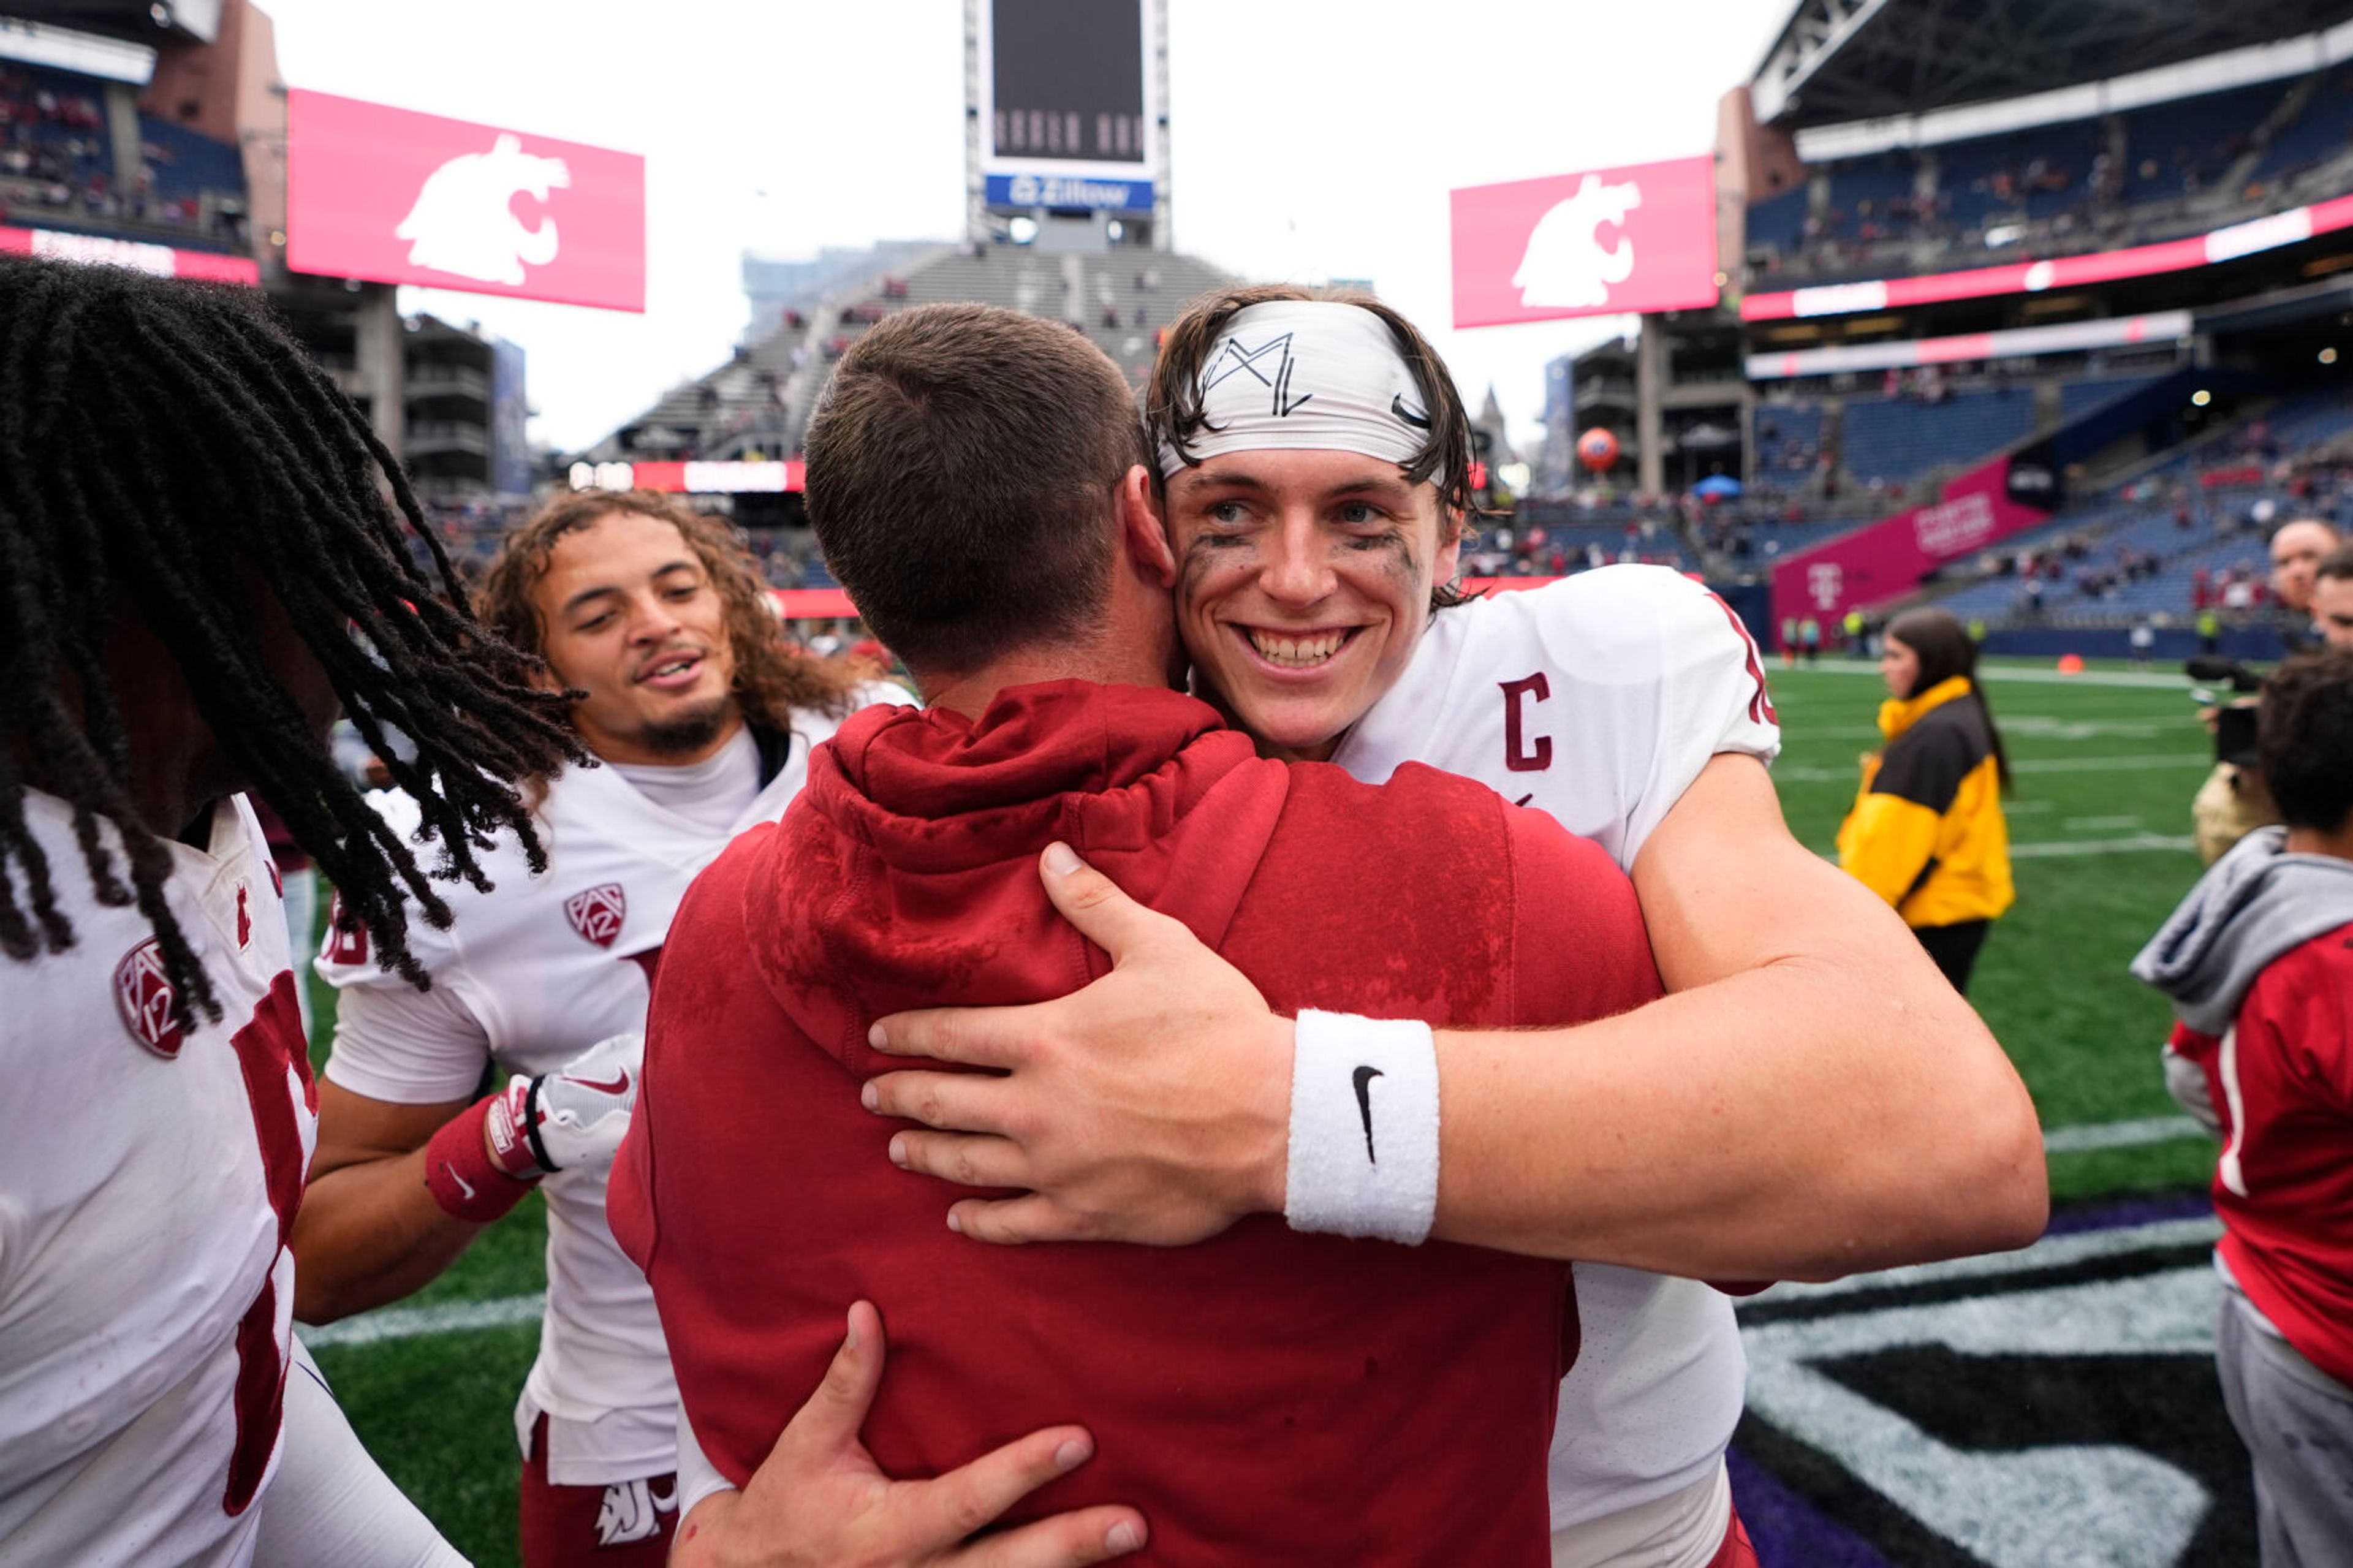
1067, 104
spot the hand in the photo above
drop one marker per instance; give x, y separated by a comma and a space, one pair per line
819, 1500
572, 1118
1152, 1106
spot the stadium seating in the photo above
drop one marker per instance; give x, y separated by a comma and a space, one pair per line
1779, 224
186, 165
1896, 439
2173, 148
2080, 397
2322, 131
1787, 439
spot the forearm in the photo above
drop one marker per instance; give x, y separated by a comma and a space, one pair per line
1804, 1120
370, 1232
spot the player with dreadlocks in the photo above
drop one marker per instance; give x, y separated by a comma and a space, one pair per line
202, 564
701, 718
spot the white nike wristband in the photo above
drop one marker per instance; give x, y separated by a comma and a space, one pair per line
1364, 1128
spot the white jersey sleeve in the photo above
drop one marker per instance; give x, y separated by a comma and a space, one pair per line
1598, 698
393, 1042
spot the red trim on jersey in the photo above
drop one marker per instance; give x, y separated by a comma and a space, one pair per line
1760, 707
275, 1065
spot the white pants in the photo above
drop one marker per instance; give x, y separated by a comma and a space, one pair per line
329, 1501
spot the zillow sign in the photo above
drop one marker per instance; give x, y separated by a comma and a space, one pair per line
1070, 191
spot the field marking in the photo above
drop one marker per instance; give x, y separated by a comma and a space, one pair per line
2138, 844
2150, 681
2131, 1134
2026, 765
412, 1323
2051, 1252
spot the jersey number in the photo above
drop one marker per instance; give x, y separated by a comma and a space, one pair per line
269, 1048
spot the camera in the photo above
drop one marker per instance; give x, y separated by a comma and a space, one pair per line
2234, 722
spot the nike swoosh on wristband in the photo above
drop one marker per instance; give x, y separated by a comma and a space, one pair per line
1365, 1076
465, 1186
618, 1085
1397, 408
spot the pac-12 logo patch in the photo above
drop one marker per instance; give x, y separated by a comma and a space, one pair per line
597, 913
145, 997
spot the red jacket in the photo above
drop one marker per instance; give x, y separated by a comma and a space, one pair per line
2284, 1185
1264, 1396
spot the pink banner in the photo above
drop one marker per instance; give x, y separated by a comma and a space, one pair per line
139, 255
1887, 560
393, 196
2290, 228
1642, 237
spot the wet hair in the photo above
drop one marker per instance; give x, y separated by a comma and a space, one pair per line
771, 676
2304, 739
962, 471
1172, 400
1946, 649
168, 454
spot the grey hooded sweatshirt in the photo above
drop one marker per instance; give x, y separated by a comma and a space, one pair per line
2255, 904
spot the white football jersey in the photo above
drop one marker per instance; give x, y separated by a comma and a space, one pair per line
528, 976
149, 1175
1599, 699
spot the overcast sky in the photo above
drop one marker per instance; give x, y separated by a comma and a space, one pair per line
1309, 140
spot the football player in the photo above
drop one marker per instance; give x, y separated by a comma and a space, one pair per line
1763, 1123
701, 719
193, 527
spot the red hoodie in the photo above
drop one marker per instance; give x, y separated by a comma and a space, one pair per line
1264, 1396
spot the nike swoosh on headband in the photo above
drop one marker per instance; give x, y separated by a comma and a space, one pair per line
1397, 408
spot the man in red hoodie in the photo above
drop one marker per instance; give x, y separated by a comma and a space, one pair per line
978, 481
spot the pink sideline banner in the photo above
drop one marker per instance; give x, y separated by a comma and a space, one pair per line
393, 196
1636, 237
139, 255
1887, 560
2291, 227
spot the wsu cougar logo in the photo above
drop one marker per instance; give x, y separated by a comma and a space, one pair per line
597, 913
461, 222
1564, 266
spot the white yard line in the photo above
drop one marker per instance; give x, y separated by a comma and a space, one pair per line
1996, 673
1797, 774
411, 1323
2138, 844
2131, 1134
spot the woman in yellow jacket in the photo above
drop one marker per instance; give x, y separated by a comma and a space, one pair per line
1926, 832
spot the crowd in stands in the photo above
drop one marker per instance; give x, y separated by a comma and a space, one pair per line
2084, 184
57, 163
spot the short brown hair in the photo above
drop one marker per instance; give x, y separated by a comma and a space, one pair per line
1172, 404
2337, 563
771, 676
962, 470
2304, 739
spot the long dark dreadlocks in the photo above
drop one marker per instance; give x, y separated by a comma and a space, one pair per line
165, 450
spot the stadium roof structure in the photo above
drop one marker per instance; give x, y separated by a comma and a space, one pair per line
1840, 60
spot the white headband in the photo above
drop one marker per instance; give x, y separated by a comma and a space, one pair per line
1307, 373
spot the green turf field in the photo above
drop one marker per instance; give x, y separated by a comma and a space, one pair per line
2106, 764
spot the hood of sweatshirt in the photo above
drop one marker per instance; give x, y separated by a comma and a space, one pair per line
2255, 904
906, 873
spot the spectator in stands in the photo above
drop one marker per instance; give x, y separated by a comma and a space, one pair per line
2296, 551
1926, 833
2332, 598
2258, 961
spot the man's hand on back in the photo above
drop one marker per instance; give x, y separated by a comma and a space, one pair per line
1152, 1106
819, 1501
